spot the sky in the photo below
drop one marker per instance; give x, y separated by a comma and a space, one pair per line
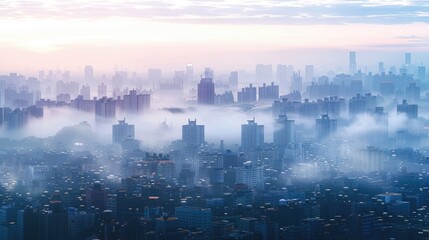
136, 34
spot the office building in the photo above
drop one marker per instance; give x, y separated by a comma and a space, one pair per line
325, 127
206, 91
269, 92
189, 74
194, 217
381, 69
421, 73
233, 80
250, 174
136, 103
105, 107
252, 135
122, 131
296, 82
309, 73
408, 59
284, 131
352, 63
89, 73
28, 224
96, 196
78, 222
410, 110
412, 93
85, 92
193, 134
247, 94
102, 90
53, 222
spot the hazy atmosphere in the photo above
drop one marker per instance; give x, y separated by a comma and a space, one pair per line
232, 120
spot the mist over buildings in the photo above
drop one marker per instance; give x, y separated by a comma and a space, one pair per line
253, 120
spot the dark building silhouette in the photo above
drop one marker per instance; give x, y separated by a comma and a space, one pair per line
247, 94
206, 91
410, 110
268, 92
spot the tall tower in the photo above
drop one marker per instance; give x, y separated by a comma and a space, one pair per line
89, 73
193, 134
252, 135
352, 63
325, 126
309, 73
122, 131
189, 74
407, 59
206, 89
284, 131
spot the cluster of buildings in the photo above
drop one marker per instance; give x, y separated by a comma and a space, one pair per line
311, 181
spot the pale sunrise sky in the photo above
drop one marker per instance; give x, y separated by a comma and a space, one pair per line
140, 34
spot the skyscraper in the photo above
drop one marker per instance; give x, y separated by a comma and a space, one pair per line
296, 82
194, 217
284, 131
352, 63
410, 110
189, 74
381, 68
206, 91
282, 77
309, 73
193, 134
102, 90
105, 107
247, 94
53, 223
264, 73
85, 92
122, 131
89, 73
412, 93
252, 135
268, 92
136, 103
233, 80
421, 72
407, 59
325, 126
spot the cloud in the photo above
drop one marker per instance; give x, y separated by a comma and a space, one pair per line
233, 11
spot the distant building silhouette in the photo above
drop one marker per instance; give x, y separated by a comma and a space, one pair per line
206, 90
284, 131
193, 134
325, 126
407, 57
410, 110
89, 73
247, 94
352, 63
122, 131
268, 92
252, 135
105, 107
264, 73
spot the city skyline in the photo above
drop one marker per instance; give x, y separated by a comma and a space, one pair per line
51, 34
214, 120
